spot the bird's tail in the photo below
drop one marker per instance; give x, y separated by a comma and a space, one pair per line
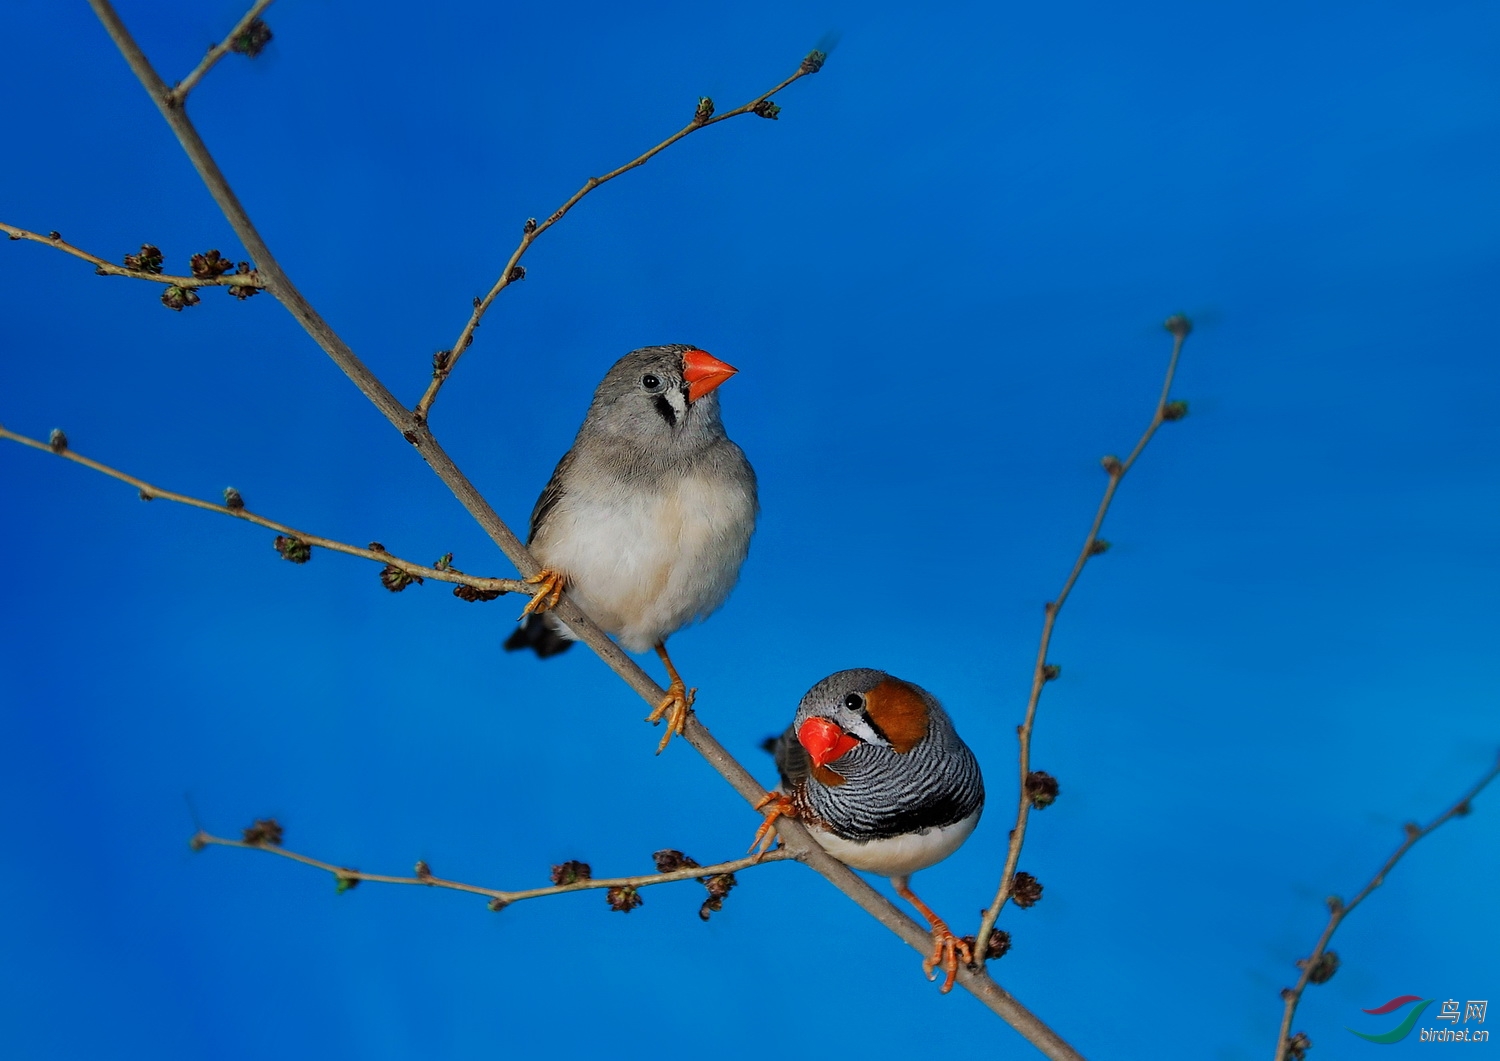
538, 635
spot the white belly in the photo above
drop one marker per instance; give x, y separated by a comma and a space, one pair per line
644, 564
900, 855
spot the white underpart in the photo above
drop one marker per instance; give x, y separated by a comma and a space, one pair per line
643, 564
900, 855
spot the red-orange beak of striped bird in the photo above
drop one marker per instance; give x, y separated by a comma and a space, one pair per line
825, 741
703, 372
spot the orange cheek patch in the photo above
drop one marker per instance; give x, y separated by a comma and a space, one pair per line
899, 711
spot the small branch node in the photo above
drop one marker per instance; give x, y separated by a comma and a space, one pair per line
1174, 410
57, 442
1112, 465
766, 109
261, 833
1098, 547
232, 499
294, 550
1179, 325
1051, 672
705, 110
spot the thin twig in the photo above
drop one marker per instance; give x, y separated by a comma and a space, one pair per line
533, 230
1339, 910
793, 835
1041, 673
108, 268
503, 898
179, 94
149, 492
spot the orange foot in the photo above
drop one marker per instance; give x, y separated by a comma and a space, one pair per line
781, 807
546, 597
676, 705
674, 708
947, 949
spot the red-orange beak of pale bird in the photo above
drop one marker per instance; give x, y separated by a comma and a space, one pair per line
824, 740
703, 372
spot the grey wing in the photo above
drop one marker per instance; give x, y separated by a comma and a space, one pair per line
791, 759
552, 493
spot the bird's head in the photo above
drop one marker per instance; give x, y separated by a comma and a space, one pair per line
661, 393
861, 720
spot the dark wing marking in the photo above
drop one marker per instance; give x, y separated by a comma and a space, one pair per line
552, 493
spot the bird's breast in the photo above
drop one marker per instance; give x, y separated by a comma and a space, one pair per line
645, 560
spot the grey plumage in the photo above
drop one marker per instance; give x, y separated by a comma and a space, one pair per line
648, 516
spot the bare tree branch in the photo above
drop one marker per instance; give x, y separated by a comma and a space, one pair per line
498, 898
179, 94
444, 364
148, 492
107, 268
1320, 965
801, 846
1043, 672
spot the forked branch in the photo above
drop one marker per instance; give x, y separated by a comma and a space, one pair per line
1043, 672
235, 506
800, 845
102, 267
499, 898
702, 119
179, 94
1322, 963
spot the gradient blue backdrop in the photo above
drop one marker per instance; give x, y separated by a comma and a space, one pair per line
942, 274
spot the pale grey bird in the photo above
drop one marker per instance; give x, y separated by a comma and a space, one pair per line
874, 769
648, 517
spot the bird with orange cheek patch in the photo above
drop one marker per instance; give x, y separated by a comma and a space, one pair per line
874, 769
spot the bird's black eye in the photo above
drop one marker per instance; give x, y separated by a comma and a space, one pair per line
650, 382
854, 702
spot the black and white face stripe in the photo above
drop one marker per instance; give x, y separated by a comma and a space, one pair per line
671, 404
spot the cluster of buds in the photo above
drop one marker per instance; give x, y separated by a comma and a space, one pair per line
719, 884
57, 442
1298, 1046
1323, 969
571, 872
471, 594
997, 947
232, 499
263, 831
244, 291
344, 880
396, 580
766, 109
211, 265
293, 549
150, 260
178, 299
814, 61
251, 40
624, 898
1041, 789
705, 110
1025, 890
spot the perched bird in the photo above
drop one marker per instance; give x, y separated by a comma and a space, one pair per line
648, 517
874, 769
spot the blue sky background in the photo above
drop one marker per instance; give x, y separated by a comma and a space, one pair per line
942, 274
